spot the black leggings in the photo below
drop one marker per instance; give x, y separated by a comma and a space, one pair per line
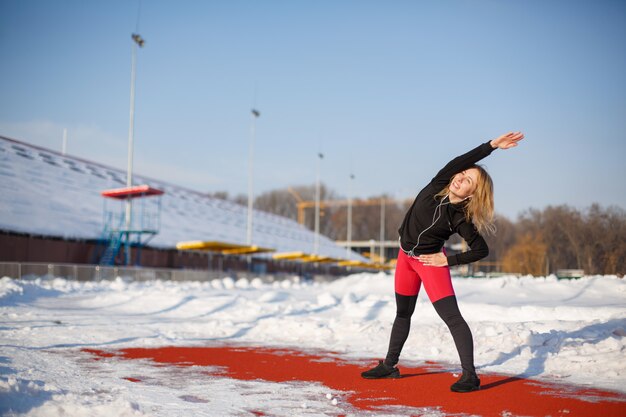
448, 310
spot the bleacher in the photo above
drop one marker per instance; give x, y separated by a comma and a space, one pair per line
43, 192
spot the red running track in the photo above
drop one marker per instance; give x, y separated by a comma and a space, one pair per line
419, 387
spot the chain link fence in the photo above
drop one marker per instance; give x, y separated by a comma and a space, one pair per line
81, 272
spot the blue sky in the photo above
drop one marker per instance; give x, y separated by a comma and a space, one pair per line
388, 91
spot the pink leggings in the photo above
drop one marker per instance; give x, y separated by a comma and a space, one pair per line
410, 273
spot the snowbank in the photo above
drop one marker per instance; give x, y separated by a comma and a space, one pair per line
571, 331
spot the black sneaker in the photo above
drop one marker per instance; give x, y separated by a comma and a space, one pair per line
467, 383
381, 371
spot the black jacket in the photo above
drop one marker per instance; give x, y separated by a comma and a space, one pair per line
448, 218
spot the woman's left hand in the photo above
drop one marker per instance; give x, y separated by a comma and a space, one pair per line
435, 259
507, 141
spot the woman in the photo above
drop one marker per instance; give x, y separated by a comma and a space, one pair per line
459, 199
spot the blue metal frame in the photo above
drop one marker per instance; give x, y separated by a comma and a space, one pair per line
115, 236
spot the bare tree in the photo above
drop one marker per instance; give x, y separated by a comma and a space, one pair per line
279, 202
527, 255
604, 251
592, 240
285, 203
223, 195
504, 237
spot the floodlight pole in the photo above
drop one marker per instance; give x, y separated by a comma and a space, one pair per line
382, 229
64, 147
349, 231
254, 114
316, 242
137, 41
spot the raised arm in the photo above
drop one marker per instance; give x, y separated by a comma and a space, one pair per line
461, 163
465, 161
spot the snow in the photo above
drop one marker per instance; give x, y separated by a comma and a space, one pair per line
560, 330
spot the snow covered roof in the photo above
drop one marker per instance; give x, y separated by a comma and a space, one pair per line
44, 192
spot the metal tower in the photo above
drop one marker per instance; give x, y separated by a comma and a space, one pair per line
119, 233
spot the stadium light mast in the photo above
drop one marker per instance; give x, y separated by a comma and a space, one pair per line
254, 114
349, 228
137, 42
64, 146
316, 242
382, 229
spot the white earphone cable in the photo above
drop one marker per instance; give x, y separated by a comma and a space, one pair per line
436, 217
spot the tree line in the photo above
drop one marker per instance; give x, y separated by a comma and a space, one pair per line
562, 237
538, 242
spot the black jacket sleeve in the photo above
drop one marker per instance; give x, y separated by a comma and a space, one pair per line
460, 163
478, 247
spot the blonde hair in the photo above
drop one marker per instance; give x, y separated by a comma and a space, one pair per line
479, 209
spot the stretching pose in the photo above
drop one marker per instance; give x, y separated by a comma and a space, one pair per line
459, 199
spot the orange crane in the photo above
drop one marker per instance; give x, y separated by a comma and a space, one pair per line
302, 204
